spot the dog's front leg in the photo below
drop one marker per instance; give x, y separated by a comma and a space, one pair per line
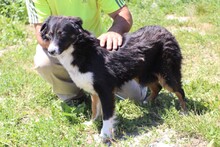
108, 106
107, 132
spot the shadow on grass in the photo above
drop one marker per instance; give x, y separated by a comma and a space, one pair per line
134, 118
153, 114
167, 100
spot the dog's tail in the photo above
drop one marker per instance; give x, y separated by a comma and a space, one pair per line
171, 49
171, 55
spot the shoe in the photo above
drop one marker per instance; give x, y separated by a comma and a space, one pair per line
144, 91
74, 101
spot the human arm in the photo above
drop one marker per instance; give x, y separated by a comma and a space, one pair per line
38, 11
40, 41
122, 22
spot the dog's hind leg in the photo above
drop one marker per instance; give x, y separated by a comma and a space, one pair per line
154, 90
181, 96
173, 84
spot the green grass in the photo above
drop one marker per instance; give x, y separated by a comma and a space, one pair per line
31, 115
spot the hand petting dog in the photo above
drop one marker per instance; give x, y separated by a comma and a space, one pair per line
110, 40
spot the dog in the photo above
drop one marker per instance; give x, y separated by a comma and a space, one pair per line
151, 56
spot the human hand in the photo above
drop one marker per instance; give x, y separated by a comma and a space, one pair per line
111, 40
45, 44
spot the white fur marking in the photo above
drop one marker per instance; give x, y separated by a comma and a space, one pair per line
82, 80
108, 128
52, 47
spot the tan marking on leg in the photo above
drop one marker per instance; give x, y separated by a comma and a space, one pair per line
181, 100
163, 83
154, 91
95, 106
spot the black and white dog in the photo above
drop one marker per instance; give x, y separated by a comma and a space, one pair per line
150, 55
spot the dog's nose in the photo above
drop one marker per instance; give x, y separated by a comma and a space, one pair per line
51, 52
53, 48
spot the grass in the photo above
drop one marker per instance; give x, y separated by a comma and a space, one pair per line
31, 115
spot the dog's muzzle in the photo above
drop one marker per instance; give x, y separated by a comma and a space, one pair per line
53, 49
51, 52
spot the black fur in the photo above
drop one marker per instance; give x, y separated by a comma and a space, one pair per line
151, 55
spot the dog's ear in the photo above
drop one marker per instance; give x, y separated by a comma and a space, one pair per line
76, 20
45, 28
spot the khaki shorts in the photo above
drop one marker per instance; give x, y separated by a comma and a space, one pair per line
54, 73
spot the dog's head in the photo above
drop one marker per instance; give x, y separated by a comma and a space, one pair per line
61, 32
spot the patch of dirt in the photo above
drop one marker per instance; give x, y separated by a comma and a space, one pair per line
2, 51
167, 138
179, 18
201, 28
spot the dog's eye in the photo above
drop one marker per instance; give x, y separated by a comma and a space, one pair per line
50, 34
47, 35
59, 33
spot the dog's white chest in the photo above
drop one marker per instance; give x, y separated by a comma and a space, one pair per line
82, 80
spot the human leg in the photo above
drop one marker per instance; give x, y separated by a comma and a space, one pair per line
54, 73
132, 90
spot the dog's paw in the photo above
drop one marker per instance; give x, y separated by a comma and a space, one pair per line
107, 135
